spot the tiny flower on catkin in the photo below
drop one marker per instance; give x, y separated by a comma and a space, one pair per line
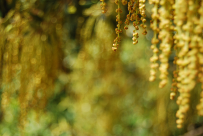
103, 6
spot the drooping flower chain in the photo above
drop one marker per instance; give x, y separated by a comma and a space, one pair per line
177, 26
135, 8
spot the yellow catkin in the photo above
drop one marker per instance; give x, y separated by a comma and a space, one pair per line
179, 20
142, 13
176, 59
155, 41
130, 11
175, 72
199, 40
165, 37
188, 62
135, 18
118, 29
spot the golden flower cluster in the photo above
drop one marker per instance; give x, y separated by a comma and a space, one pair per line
136, 8
177, 27
178, 24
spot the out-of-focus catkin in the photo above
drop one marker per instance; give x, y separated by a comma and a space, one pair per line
28, 65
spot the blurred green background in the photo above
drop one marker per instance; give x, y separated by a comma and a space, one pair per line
97, 92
